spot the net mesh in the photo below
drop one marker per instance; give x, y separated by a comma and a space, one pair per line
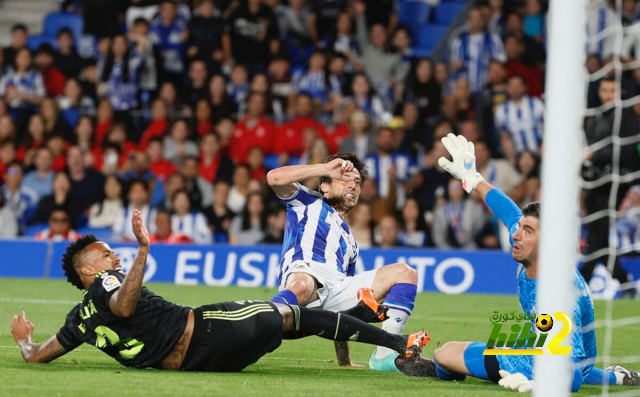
612, 40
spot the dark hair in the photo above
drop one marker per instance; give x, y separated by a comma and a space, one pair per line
246, 217
421, 223
155, 139
71, 256
357, 164
532, 209
19, 26
15, 59
46, 49
108, 64
65, 31
610, 78
140, 20
103, 196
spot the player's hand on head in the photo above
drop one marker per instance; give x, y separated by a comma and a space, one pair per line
517, 381
463, 161
340, 169
21, 328
139, 229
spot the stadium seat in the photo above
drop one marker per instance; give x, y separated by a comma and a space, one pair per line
101, 233
430, 35
35, 41
447, 12
413, 14
34, 229
56, 21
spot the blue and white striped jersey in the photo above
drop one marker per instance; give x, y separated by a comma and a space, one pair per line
476, 51
524, 122
378, 167
316, 234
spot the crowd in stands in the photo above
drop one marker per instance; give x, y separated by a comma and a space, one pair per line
186, 105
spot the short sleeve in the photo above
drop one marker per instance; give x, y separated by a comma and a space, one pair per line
104, 286
70, 335
302, 197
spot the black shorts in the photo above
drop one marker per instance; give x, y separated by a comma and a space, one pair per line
229, 336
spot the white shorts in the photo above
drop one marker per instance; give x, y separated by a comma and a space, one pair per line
337, 294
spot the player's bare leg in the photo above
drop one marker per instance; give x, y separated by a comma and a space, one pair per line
395, 285
300, 322
300, 289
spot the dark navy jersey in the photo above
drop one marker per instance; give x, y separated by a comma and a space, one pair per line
140, 341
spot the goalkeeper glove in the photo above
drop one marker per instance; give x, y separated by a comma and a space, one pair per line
515, 381
463, 166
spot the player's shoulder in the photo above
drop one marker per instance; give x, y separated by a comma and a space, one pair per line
107, 280
303, 195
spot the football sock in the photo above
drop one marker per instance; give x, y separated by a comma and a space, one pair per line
598, 376
445, 374
285, 297
400, 301
340, 327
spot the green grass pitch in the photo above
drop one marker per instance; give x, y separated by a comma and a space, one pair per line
302, 367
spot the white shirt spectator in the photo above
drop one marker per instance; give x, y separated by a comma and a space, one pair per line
599, 18
122, 229
104, 214
194, 225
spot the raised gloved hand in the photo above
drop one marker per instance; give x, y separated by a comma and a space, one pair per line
463, 164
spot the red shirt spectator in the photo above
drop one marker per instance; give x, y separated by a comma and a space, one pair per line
158, 125
104, 117
253, 130
53, 78
289, 138
158, 165
335, 135
59, 227
171, 238
515, 49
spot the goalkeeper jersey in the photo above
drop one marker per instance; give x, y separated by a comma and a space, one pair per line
583, 334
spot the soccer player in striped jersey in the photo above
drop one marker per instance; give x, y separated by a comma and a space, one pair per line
456, 360
319, 253
139, 329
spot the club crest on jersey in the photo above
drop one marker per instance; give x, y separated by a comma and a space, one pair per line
110, 283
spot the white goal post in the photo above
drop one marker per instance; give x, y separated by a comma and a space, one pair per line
559, 223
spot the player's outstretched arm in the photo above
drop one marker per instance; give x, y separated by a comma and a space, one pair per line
283, 180
123, 302
22, 330
463, 167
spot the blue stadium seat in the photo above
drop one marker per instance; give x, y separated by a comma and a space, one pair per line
430, 35
35, 41
35, 229
56, 21
447, 12
413, 14
101, 233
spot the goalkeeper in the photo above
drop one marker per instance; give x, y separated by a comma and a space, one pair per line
456, 360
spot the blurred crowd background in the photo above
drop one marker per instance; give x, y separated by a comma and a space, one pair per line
180, 108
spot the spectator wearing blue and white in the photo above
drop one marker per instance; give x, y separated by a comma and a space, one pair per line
23, 87
366, 99
149, 75
73, 103
66, 58
40, 179
188, 221
338, 75
496, 17
383, 68
169, 32
137, 198
238, 86
459, 221
313, 80
414, 230
472, 51
386, 158
519, 120
342, 41
600, 17
119, 75
21, 200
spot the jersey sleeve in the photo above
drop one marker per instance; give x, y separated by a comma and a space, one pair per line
104, 286
505, 209
302, 197
70, 335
